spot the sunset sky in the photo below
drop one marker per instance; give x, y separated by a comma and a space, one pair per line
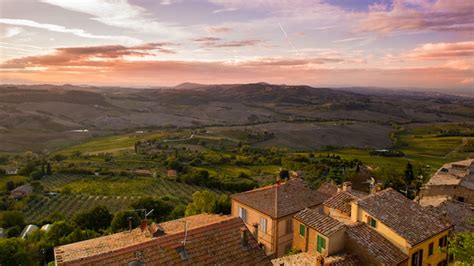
410, 43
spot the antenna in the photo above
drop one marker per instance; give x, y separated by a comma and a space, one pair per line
185, 233
129, 219
147, 214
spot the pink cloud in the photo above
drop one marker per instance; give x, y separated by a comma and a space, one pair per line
219, 43
414, 15
443, 50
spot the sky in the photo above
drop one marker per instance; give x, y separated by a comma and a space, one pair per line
329, 43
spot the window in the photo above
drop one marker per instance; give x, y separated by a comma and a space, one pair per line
243, 214
461, 199
263, 225
302, 230
430, 249
289, 226
372, 222
443, 242
321, 244
417, 258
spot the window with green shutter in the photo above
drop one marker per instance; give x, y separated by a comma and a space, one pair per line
302, 230
321, 244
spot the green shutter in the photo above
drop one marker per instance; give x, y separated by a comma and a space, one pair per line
321, 244
373, 222
302, 230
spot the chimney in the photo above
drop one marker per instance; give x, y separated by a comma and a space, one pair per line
255, 231
320, 261
347, 186
144, 225
129, 219
244, 238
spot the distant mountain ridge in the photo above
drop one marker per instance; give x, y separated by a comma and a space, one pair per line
49, 110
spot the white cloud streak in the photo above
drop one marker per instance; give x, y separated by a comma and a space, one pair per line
121, 14
62, 29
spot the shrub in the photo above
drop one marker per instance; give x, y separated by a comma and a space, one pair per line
122, 219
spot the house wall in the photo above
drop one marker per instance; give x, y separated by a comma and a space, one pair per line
308, 243
437, 256
449, 190
253, 216
273, 246
401, 243
360, 215
337, 241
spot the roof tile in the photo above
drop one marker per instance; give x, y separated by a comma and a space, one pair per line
291, 196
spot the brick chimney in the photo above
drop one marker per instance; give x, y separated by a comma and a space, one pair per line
244, 238
255, 231
320, 261
144, 225
347, 186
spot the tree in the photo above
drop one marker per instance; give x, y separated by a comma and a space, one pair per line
223, 204
9, 248
13, 231
122, 219
48, 169
160, 208
97, 219
284, 174
409, 174
36, 175
204, 201
177, 212
461, 246
78, 235
10, 185
11, 218
59, 230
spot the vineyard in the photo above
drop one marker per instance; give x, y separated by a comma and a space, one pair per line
76, 193
68, 205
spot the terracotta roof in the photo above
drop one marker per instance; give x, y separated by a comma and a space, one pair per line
211, 239
342, 200
405, 217
291, 196
319, 222
457, 173
375, 245
328, 188
457, 213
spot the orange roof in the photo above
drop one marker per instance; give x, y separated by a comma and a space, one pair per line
210, 239
280, 200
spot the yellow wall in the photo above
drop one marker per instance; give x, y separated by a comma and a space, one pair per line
437, 256
400, 242
308, 243
273, 246
361, 216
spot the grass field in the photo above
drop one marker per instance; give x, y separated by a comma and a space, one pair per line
14, 178
110, 144
420, 144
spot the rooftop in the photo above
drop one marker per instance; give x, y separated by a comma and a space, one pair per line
328, 188
455, 212
319, 222
405, 217
376, 245
115, 242
457, 173
342, 200
281, 199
